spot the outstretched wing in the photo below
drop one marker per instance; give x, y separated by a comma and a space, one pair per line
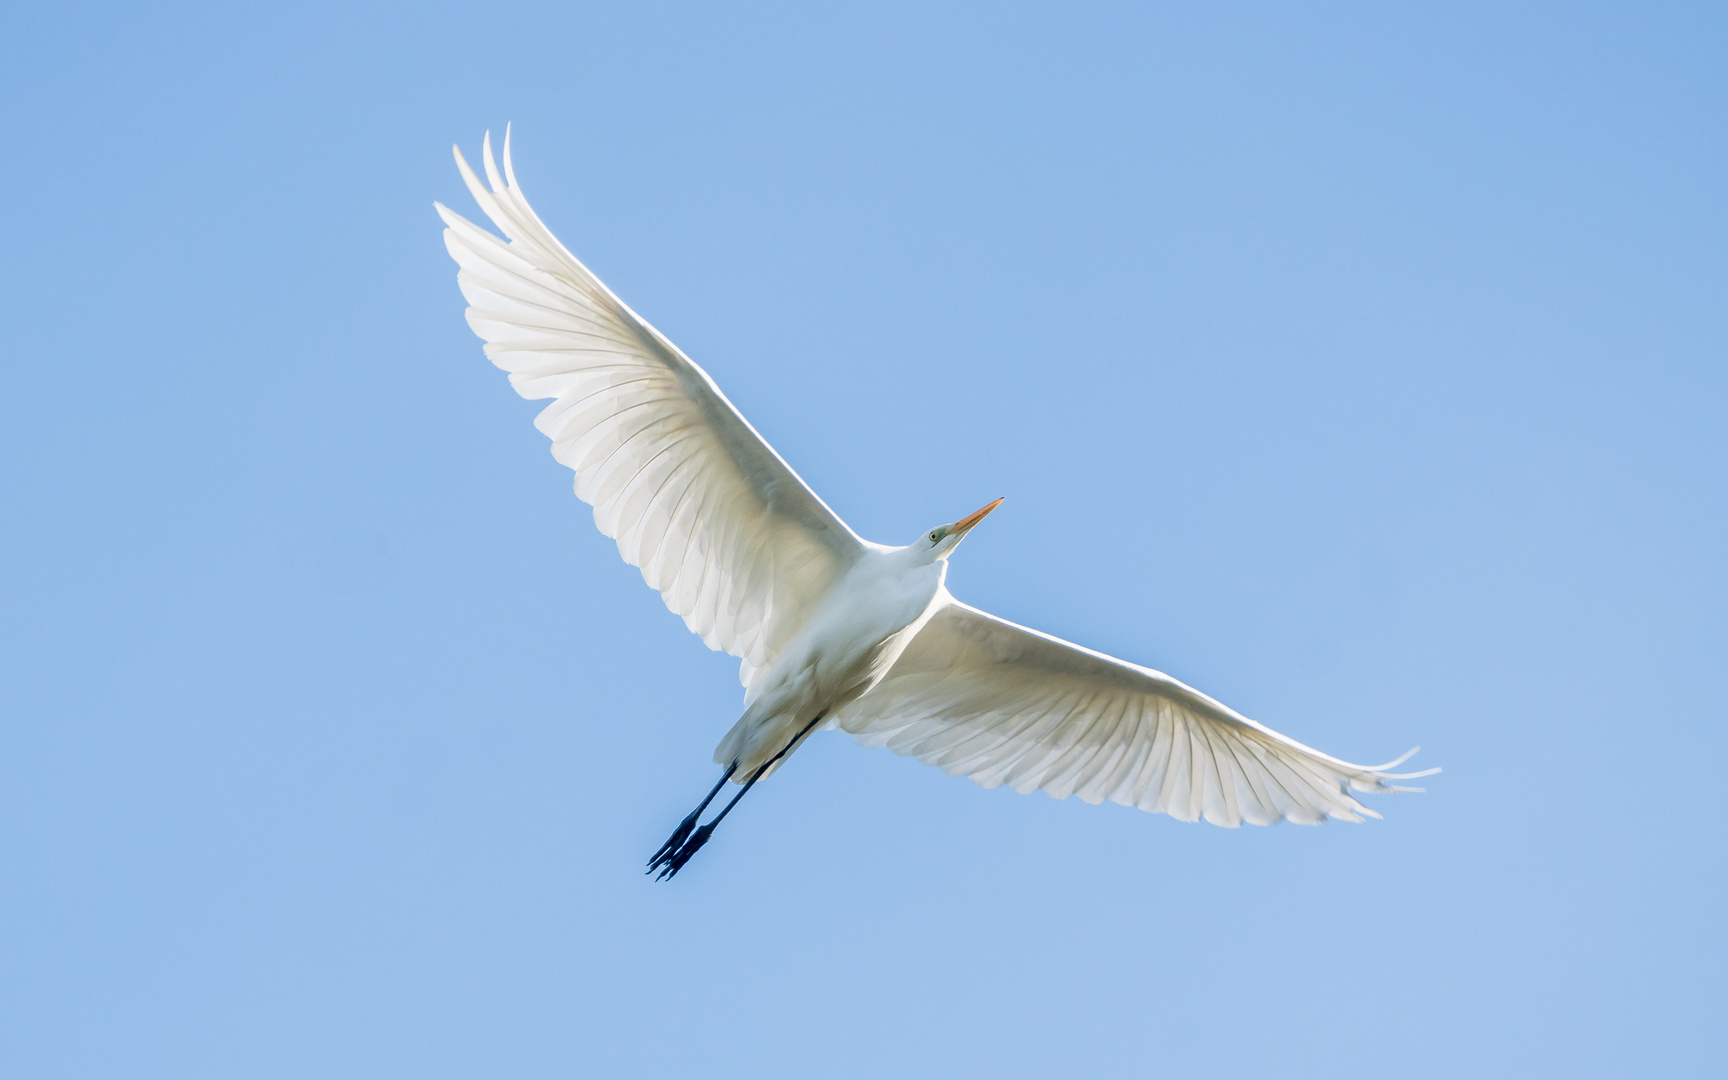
720, 525
981, 697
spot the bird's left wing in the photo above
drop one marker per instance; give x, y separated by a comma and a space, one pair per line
984, 698
718, 523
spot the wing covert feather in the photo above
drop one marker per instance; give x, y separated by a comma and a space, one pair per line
719, 524
981, 697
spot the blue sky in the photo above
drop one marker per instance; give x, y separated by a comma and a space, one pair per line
1361, 366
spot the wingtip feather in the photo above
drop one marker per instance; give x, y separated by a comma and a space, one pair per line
491, 164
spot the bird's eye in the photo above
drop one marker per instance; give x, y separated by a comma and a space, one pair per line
935, 536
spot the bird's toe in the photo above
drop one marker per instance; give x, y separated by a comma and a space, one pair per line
676, 861
673, 843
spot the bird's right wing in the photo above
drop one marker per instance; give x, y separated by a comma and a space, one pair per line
984, 698
719, 524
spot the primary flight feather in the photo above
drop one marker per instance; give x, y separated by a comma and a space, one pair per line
830, 629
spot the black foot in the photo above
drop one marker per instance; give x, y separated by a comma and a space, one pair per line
675, 862
675, 841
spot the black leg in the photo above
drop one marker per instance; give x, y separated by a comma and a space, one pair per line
673, 862
682, 832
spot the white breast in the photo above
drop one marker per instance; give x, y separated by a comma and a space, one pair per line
860, 627
853, 637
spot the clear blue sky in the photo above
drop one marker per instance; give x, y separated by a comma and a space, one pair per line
1362, 367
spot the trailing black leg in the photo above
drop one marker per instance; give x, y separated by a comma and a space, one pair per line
672, 863
682, 832
675, 862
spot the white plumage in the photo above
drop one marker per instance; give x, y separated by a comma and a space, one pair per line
829, 627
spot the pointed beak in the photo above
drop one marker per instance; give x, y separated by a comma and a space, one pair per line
964, 525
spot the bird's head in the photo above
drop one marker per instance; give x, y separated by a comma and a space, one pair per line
941, 541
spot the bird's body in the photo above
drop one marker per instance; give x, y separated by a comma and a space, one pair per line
855, 634
832, 630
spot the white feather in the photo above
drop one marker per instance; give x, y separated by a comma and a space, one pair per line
824, 623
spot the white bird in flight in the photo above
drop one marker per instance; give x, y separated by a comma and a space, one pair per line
834, 631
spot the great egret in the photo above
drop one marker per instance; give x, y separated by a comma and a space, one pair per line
831, 629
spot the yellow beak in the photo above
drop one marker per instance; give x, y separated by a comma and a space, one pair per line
964, 525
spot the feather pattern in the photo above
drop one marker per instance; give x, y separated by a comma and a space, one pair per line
718, 523
981, 697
